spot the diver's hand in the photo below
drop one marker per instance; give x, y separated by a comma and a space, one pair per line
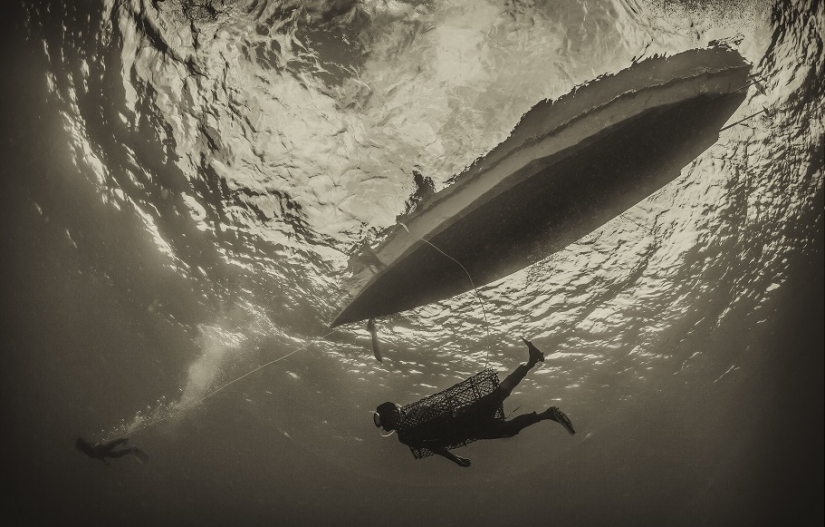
458, 460
462, 461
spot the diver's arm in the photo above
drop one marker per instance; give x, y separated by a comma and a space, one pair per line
440, 450
458, 460
107, 448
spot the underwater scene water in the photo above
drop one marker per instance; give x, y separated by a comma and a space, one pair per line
186, 182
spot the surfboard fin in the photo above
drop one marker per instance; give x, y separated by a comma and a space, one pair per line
140, 455
376, 349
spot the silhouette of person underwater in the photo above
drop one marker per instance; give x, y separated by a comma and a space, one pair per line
102, 451
438, 432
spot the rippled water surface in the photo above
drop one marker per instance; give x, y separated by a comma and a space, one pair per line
188, 180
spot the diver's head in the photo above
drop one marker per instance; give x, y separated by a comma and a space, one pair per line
81, 444
387, 416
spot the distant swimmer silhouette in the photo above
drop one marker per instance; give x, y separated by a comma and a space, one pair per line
468, 411
102, 451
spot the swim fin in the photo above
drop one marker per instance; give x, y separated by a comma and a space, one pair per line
536, 354
563, 420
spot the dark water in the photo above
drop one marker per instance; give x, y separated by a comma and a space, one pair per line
184, 183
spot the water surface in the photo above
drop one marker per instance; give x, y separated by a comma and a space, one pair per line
185, 183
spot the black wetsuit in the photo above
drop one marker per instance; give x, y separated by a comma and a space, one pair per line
105, 450
480, 420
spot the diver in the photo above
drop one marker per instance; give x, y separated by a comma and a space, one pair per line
424, 190
434, 425
102, 451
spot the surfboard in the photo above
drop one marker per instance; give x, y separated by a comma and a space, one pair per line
568, 167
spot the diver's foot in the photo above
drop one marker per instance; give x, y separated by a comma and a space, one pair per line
561, 418
535, 354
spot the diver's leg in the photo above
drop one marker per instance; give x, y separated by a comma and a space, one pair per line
514, 378
120, 453
519, 373
515, 425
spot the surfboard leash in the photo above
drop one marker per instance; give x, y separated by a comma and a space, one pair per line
472, 283
185, 406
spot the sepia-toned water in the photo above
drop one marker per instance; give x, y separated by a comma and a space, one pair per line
185, 182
